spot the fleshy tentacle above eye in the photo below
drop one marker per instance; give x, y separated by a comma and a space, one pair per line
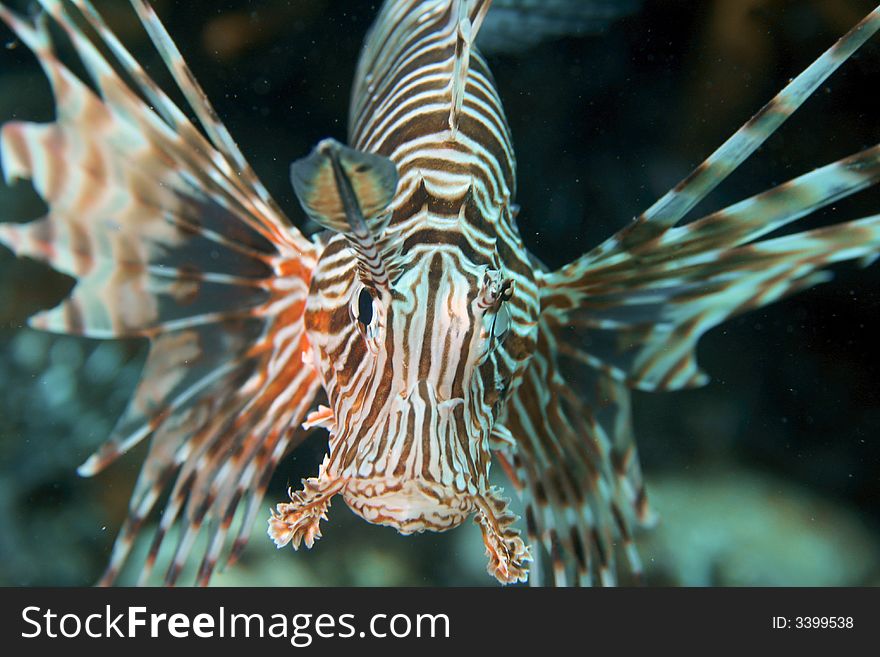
139, 203
348, 191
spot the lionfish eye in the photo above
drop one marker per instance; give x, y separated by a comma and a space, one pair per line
365, 307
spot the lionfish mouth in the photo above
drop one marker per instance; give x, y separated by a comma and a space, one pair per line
400, 493
409, 506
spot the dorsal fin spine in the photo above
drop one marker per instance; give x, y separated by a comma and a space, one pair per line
460, 65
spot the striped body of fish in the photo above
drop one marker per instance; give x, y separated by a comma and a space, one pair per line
437, 341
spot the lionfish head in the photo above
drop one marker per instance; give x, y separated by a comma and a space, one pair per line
413, 348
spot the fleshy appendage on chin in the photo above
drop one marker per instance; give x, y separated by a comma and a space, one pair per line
508, 553
410, 506
298, 521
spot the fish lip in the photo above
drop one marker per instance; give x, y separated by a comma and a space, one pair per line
410, 505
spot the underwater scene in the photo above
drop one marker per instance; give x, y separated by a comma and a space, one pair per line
765, 473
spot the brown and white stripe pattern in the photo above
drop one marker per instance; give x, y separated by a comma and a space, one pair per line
416, 390
629, 314
171, 237
437, 341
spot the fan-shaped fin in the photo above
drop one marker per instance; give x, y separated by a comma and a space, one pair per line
171, 237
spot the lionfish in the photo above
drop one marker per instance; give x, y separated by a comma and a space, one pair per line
437, 341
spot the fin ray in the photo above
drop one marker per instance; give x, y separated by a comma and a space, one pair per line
170, 236
676, 203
